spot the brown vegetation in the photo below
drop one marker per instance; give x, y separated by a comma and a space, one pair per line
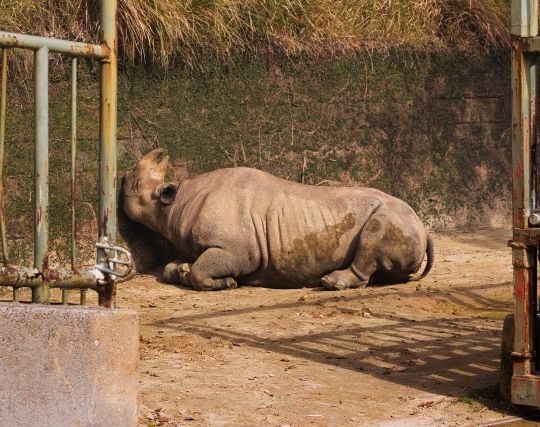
172, 31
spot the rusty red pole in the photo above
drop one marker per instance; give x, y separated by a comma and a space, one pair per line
524, 204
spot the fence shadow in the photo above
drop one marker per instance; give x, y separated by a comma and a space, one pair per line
443, 355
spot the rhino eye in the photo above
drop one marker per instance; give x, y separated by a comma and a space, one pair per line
135, 186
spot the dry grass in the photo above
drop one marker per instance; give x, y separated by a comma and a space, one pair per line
170, 31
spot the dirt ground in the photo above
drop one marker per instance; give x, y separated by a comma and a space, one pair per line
416, 354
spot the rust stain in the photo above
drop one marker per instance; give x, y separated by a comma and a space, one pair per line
38, 215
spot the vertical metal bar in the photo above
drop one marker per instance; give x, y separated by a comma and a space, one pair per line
73, 161
73, 172
524, 18
107, 152
3, 98
523, 132
524, 263
41, 169
524, 197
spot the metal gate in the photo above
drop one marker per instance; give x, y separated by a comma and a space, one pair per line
111, 261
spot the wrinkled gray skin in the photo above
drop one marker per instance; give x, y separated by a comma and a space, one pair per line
244, 226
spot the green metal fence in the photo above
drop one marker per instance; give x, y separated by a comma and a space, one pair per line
111, 261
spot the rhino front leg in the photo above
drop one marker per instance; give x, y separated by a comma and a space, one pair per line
215, 269
177, 272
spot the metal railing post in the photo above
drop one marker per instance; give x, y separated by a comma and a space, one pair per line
41, 169
73, 172
3, 100
107, 130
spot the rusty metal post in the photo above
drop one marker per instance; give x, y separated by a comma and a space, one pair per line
107, 130
3, 100
41, 169
524, 198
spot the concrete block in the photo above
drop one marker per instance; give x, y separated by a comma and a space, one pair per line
68, 366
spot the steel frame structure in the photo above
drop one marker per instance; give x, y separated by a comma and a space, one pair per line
111, 261
525, 383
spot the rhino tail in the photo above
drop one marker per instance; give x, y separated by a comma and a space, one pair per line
430, 257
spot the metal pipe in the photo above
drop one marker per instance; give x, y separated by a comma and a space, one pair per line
22, 277
73, 161
25, 41
107, 130
73, 174
41, 169
3, 98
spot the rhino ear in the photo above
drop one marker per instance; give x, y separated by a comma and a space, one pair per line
167, 192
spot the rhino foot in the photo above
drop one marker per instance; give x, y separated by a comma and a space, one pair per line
342, 279
209, 284
183, 274
332, 284
177, 272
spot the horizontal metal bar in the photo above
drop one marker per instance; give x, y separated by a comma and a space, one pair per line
529, 44
526, 237
25, 41
22, 277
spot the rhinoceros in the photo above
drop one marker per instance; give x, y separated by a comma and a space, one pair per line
244, 226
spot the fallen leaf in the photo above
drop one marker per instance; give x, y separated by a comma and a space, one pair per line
366, 312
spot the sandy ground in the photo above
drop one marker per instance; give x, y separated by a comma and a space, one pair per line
416, 354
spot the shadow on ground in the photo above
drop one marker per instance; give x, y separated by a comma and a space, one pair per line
445, 355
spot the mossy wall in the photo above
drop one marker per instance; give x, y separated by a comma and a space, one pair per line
432, 130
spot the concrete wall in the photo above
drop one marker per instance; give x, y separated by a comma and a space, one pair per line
68, 366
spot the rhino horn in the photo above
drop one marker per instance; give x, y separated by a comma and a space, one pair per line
161, 168
150, 164
150, 159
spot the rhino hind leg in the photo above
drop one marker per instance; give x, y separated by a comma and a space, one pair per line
214, 270
364, 263
384, 247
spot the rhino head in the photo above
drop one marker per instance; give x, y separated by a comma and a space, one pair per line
144, 190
